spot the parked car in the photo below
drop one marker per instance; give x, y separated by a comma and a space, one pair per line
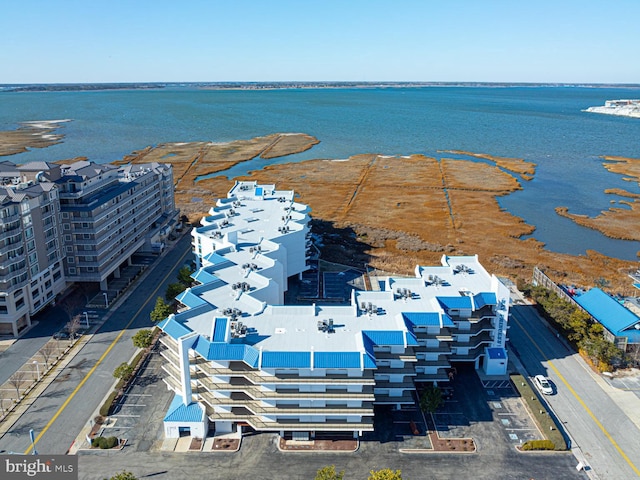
60, 335
543, 384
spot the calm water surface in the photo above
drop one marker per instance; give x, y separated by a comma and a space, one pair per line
544, 125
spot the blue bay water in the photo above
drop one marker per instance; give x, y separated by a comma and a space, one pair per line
544, 125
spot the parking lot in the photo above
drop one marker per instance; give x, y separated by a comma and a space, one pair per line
485, 410
138, 416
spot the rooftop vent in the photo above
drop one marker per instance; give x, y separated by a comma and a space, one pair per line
238, 329
326, 326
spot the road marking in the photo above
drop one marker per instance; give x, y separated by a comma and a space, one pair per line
577, 397
102, 357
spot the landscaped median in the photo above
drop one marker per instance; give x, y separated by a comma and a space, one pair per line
539, 411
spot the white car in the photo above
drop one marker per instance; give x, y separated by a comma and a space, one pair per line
543, 384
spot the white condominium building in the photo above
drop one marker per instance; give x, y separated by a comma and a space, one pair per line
236, 356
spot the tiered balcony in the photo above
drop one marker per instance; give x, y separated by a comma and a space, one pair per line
441, 375
240, 414
256, 378
258, 393
482, 338
257, 408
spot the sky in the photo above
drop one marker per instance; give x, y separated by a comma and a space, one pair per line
91, 41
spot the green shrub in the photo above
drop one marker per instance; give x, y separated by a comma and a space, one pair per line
538, 445
104, 442
113, 441
106, 406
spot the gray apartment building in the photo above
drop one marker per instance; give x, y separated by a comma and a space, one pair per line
81, 222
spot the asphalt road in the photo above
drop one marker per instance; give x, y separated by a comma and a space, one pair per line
259, 458
609, 441
59, 415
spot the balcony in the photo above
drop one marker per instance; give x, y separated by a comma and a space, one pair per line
257, 408
484, 337
440, 375
405, 385
257, 393
387, 370
243, 415
257, 377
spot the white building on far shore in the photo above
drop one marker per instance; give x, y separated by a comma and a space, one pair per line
251, 361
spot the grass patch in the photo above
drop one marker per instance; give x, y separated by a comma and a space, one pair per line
545, 421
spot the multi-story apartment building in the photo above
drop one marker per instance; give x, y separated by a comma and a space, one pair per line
109, 213
235, 355
31, 272
61, 224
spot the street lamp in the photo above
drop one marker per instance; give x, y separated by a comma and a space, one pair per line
106, 299
33, 443
35, 362
86, 318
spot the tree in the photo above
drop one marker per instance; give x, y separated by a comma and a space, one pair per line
385, 474
16, 380
143, 338
73, 326
329, 473
579, 322
123, 371
47, 351
124, 475
431, 399
161, 311
184, 276
173, 290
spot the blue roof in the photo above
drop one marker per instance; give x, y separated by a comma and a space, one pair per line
496, 353
202, 276
175, 329
179, 412
422, 319
608, 311
385, 337
460, 302
251, 355
369, 361
286, 360
190, 299
216, 259
225, 351
220, 329
426, 319
336, 360
411, 339
484, 298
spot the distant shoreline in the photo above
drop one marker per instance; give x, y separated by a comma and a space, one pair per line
58, 87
